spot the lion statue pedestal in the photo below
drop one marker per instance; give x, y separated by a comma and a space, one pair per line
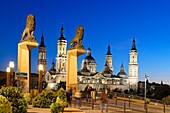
27, 43
76, 49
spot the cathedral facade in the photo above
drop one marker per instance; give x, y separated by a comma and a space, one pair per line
88, 75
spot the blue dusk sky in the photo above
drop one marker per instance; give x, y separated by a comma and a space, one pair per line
114, 22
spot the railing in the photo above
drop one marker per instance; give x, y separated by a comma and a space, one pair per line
113, 94
134, 97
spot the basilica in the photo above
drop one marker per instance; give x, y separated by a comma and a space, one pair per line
88, 74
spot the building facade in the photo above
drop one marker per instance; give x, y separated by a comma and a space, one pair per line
103, 79
88, 75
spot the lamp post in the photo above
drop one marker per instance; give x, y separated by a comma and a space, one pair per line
40, 70
8, 76
129, 101
116, 98
12, 77
145, 107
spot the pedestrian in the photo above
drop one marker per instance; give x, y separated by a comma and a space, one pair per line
103, 101
69, 96
78, 98
88, 94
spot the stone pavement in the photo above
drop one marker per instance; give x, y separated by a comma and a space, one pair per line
83, 109
136, 107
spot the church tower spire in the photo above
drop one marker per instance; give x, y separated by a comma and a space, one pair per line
108, 50
89, 51
62, 33
133, 67
61, 53
133, 45
109, 58
42, 53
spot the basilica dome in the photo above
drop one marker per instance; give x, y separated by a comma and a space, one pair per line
89, 59
90, 62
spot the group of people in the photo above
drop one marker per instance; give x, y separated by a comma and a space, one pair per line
103, 97
74, 95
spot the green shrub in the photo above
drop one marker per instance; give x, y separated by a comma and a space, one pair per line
62, 94
60, 103
17, 101
166, 100
147, 101
44, 99
28, 98
5, 105
53, 107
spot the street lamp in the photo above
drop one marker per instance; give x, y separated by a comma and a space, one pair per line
8, 76
12, 77
40, 70
146, 77
129, 101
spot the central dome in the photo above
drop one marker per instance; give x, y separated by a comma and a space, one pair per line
90, 62
89, 59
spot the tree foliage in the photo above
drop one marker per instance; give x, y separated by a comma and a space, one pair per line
166, 100
162, 92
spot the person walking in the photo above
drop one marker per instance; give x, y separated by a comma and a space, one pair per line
103, 101
69, 96
88, 94
78, 98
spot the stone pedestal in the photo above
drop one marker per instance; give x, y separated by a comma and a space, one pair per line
24, 60
72, 57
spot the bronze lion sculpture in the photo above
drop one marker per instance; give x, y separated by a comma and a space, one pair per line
78, 37
30, 27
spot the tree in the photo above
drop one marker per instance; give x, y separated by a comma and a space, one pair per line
166, 100
161, 92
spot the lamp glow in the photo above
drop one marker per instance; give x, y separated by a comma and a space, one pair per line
8, 69
11, 64
40, 67
53, 76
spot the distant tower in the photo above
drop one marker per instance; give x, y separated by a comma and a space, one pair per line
122, 72
106, 70
109, 58
61, 54
42, 54
133, 67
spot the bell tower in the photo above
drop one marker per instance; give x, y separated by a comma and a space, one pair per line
42, 53
109, 58
61, 56
133, 67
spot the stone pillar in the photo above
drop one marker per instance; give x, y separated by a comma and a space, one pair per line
72, 57
24, 60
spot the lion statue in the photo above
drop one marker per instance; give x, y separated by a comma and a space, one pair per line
30, 27
77, 40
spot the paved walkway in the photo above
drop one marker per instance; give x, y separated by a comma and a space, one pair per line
136, 107
83, 109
